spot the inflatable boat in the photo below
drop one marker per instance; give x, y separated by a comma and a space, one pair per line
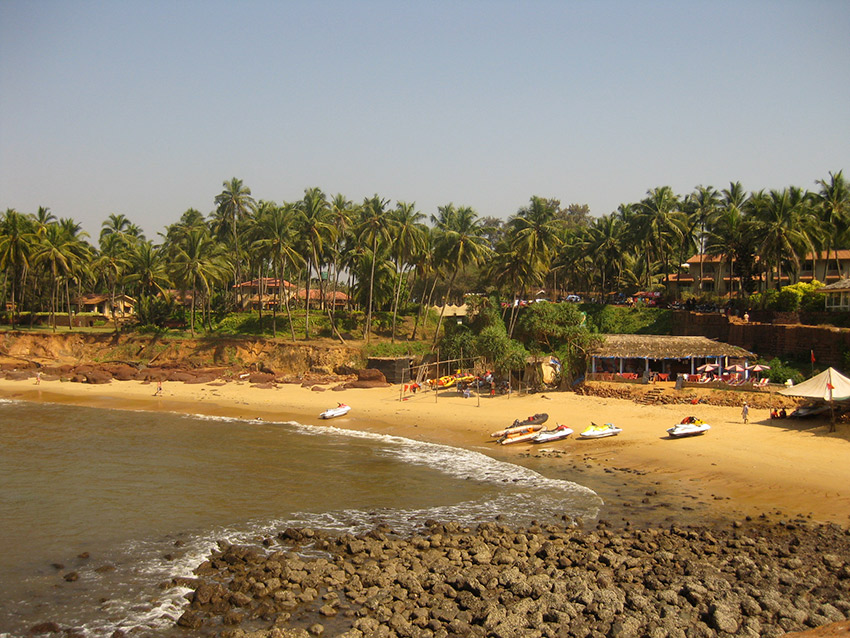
535, 422
600, 431
340, 410
555, 434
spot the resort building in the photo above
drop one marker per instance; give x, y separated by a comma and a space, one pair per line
264, 293
717, 278
267, 292
837, 295
102, 305
336, 299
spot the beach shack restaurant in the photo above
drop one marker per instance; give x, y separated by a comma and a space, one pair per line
662, 358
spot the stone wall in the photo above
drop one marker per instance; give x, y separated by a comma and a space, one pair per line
768, 339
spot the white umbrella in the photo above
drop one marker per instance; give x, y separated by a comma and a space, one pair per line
708, 367
736, 368
759, 367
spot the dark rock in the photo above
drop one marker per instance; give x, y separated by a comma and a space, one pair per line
191, 620
98, 377
45, 628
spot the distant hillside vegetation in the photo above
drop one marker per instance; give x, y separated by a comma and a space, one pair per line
623, 320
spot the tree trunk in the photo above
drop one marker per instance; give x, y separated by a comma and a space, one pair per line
68, 300
368, 330
443, 311
423, 308
192, 313
395, 301
307, 304
114, 316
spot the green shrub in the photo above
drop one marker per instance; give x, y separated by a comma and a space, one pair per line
781, 371
399, 349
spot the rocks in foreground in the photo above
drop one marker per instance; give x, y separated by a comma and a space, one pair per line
752, 579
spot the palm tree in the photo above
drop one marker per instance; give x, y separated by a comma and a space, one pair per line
121, 227
275, 237
343, 214
81, 263
778, 217
233, 204
726, 228
148, 269
534, 234
112, 262
58, 251
16, 242
409, 241
662, 225
833, 210
374, 228
315, 228
425, 267
43, 218
603, 245
701, 205
175, 233
509, 273
460, 242
198, 263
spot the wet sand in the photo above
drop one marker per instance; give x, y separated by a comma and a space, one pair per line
786, 468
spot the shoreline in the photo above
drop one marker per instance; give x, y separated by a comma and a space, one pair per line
787, 468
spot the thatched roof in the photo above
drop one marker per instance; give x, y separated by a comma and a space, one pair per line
666, 347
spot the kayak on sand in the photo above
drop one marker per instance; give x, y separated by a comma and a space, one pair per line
340, 410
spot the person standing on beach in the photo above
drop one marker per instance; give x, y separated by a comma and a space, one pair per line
38, 378
158, 392
745, 413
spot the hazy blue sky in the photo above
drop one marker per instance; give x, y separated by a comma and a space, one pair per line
145, 107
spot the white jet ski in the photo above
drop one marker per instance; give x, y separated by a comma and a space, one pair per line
690, 426
600, 431
555, 434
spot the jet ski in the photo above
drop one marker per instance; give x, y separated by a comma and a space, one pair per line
689, 426
600, 431
555, 434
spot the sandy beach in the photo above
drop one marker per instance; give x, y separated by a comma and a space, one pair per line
783, 468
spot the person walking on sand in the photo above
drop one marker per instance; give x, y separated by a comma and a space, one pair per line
745, 413
158, 392
38, 378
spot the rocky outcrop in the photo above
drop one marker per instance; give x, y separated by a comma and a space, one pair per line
21, 350
368, 378
751, 579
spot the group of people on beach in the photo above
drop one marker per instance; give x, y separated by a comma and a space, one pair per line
778, 414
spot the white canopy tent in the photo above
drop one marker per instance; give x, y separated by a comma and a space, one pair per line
829, 385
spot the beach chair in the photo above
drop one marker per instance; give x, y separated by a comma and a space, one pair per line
761, 383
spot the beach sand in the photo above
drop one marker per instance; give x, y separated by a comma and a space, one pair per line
784, 468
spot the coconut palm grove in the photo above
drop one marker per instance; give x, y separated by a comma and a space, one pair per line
325, 266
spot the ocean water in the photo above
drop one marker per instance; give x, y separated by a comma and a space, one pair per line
98, 506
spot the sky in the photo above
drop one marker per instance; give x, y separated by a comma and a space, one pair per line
146, 108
